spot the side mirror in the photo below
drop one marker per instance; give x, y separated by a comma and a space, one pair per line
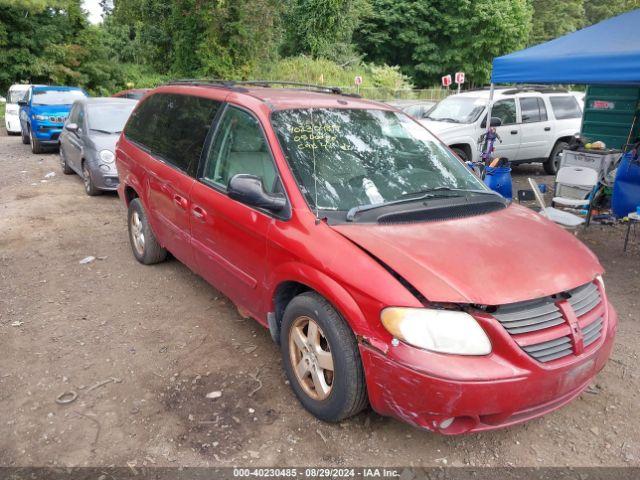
72, 127
248, 189
22, 103
495, 122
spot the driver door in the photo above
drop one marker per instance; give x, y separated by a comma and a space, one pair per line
229, 238
509, 131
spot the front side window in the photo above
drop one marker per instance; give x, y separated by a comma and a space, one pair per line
173, 127
344, 158
565, 107
240, 147
505, 110
14, 96
56, 97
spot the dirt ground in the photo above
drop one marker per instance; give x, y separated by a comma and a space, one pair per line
142, 346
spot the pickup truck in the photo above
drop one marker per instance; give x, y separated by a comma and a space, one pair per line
535, 124
43, 112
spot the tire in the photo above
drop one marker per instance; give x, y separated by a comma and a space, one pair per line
89, 187
25, 136
552, 165
66, 169
347, 393
461, 153
150, 251
36, 146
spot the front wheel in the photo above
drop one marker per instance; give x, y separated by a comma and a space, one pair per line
89, 186
552, 165
321, 359
66, 169
145, 247
36, 146
461, 154
25, 136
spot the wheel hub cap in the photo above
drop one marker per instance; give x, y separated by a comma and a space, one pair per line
311, 358
136, 233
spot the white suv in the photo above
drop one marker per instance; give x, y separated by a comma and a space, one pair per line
11, 114
536, 123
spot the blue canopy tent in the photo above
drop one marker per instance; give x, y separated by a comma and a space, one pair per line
607, 53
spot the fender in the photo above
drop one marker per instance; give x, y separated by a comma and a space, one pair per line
337, 295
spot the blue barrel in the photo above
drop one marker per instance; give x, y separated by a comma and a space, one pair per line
626, 189
498, 179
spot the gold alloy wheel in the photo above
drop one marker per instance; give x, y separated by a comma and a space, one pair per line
311, 358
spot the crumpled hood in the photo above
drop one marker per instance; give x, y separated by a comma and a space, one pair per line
501, 257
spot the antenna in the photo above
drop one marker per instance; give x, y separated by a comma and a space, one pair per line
315, 174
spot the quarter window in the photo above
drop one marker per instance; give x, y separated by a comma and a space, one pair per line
240, 147
533, 110
173, 127
565, 107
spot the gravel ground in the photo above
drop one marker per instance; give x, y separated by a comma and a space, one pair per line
142, 346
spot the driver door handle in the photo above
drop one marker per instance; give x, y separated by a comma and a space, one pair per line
180, 201
547, 129
514, 132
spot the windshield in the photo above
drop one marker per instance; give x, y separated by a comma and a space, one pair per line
458, 109
363, 157
14, 96
109, 118
56, 97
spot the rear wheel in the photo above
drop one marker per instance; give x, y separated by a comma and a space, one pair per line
552, 165
321, 359
89, 186
145, 247
36, 146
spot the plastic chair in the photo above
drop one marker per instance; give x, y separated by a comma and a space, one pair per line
573, 184
560, 217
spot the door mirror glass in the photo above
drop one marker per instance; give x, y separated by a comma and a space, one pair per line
248, 189
72, 127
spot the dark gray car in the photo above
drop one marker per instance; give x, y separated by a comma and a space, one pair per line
88, 141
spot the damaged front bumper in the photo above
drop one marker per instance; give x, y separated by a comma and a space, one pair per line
454, 394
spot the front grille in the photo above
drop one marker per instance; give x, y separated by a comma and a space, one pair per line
530, 317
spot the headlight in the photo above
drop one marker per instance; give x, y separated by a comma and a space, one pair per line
107, 156
41, 117
444, 331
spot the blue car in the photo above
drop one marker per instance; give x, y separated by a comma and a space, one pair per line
43, 112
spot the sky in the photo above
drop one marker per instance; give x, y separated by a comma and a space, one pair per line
93, 7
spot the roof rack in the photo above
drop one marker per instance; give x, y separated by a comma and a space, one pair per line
259, 83
511, 90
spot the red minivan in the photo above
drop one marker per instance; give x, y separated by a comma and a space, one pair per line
384, 269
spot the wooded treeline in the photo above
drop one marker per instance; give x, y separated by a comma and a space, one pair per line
391, 43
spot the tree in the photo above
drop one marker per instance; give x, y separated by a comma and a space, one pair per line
322, 28
598, 10
430, 39
552, 19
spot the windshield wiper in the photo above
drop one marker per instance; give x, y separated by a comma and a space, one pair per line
108, 132
423, 195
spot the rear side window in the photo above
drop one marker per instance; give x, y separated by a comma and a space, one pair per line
565, 107
173, 127
533, 110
